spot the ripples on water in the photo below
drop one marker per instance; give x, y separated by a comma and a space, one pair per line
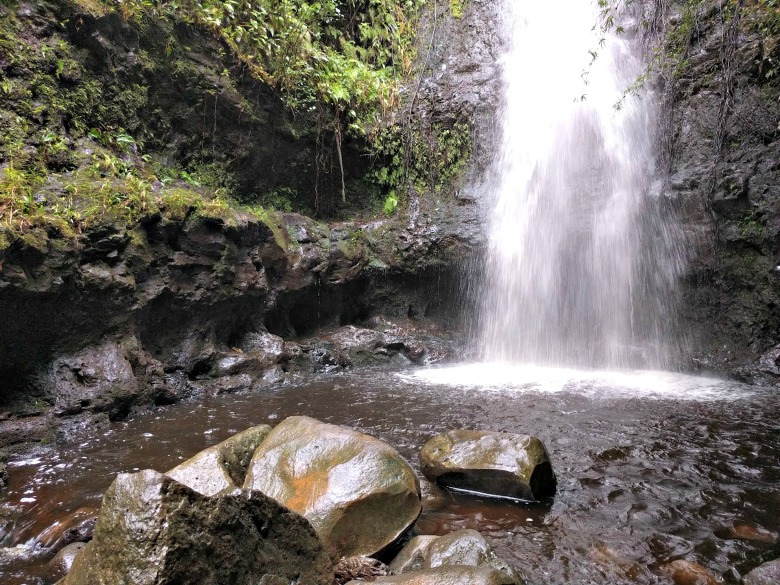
650, 465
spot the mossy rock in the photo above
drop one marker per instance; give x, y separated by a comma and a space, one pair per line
153, 530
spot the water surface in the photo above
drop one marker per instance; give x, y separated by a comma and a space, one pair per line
650, 465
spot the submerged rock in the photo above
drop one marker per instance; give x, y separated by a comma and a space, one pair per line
447, 576
76, 527
152, 530
498, 464
358, 492
467, 548
463, 548
766, 574
746, 532
685, 572
223, 466
412, 557
62, 562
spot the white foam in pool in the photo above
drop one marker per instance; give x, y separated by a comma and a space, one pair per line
531, 378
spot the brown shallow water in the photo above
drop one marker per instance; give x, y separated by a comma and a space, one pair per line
644, 476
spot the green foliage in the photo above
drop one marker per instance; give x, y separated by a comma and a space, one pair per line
421, 158
457, 7
280, 199
762, 17
344, 54
390, 205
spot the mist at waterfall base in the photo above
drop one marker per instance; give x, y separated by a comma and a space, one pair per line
582, 257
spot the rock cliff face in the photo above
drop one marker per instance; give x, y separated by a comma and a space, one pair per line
721, 150
164, 308
154, 314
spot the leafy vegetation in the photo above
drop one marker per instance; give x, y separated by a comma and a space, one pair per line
77, 149
344, 55
421, 158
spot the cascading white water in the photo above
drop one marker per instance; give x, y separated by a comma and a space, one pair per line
581, 264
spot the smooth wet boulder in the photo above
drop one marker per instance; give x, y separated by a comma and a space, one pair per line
766, 574
498, 464
153, 530
62, 562
358, 492
446, 576
456, 549
223, 466
412, 557
359, 568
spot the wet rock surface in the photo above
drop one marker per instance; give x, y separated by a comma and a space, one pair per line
152, 529
62, 562
498, 464
722, 178
685, 572
412, 557
447, 576
460, 548
358, 493
766, 574
223, 466
75, 527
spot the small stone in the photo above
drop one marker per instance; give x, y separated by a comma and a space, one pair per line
685, 572
446, 576
362, 568
746, 532
62, 562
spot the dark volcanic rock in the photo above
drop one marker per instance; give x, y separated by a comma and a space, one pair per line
723, 181
154, 530
499, 464
100, 379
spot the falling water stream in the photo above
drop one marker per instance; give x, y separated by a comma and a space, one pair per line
581, 263
578, 308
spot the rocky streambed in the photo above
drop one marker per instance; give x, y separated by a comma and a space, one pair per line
659, 475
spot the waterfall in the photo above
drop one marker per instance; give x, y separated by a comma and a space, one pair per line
583, 256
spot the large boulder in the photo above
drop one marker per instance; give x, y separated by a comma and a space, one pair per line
223, 466
457, 549
358, 492
498, 464
446, 576
766, 574
153, 530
